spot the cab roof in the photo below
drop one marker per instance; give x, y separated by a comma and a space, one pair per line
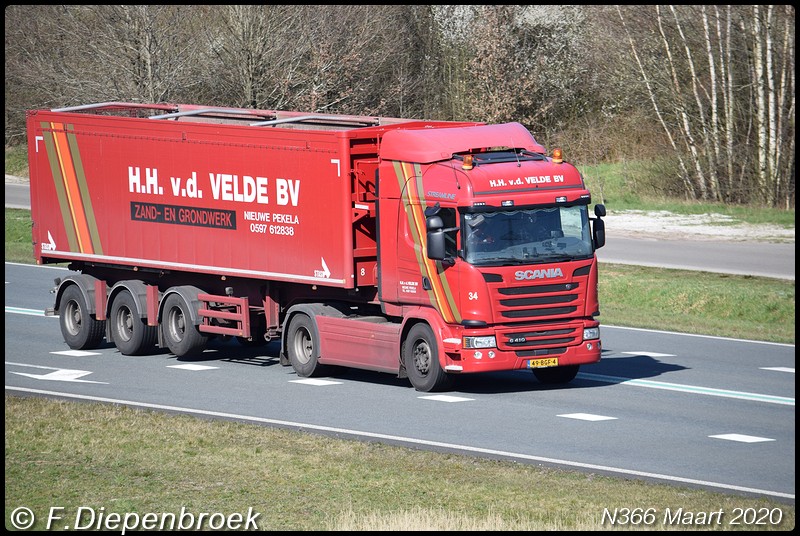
433, 144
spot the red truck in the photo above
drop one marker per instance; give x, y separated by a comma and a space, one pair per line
424, 249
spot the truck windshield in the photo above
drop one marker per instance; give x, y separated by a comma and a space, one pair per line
527, 236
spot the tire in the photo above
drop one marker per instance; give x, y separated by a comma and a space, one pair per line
556, 375
179, 333
131, 335
81, 330
302, 347
421, 360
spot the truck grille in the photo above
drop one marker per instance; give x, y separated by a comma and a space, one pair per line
548, 340
539, 302
545, 305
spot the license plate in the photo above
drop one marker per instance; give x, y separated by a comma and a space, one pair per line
544, 362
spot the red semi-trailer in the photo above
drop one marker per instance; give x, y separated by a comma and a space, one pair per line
425, 249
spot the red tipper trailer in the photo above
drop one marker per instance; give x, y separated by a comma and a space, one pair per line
425, 249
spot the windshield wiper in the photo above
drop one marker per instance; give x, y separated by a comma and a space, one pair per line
505, 261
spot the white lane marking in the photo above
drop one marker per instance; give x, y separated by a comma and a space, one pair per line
49, 266
412, 441
606, 326
741, 438
25, 311
688, 389
779, 369
58, 374
446, 398
312, 381
192, 367
75, 353
649, 354
587, 417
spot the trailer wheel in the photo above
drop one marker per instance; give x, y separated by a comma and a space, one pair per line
302, 347
556, 375
130, 333
180, 334
80, 329
421, 360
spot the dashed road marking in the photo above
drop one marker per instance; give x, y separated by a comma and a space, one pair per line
312, 381
779, 369
192, 367
741, 438
587, 417
446, 398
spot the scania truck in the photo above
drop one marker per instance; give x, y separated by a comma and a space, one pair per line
423, 249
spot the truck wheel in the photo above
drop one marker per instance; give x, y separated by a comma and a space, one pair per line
421, 360
556, 375
130, 333
182, 337
302, 347
80, 329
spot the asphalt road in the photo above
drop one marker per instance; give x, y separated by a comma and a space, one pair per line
684, 410
760, 259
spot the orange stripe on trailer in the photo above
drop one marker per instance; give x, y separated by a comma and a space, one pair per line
72, 188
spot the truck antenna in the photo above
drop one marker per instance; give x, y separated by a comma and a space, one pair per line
514, 148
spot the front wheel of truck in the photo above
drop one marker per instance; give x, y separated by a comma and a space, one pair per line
302, 347
556, 375
421, 360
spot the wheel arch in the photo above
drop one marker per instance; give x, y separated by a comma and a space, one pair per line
136, 288
311, 310
423, 315
189, 294
85, 283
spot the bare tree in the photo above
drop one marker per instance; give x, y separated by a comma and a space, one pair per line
701, 94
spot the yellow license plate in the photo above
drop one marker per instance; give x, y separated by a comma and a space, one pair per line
541, 363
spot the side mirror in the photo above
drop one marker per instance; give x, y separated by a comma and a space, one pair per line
434, 223
436, 244
599, 210
599, 233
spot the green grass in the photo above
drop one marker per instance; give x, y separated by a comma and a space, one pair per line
628, 186
743, 307
19, 242
133, 461
17, 160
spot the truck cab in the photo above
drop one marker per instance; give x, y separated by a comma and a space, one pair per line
496, 237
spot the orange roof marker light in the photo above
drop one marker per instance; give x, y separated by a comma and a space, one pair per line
557, 159
467, 162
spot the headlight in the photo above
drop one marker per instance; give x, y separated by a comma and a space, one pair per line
480, 342
591, 333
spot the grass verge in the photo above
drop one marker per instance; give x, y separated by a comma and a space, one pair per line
131, 461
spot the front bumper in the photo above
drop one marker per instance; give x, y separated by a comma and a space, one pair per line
551, 345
